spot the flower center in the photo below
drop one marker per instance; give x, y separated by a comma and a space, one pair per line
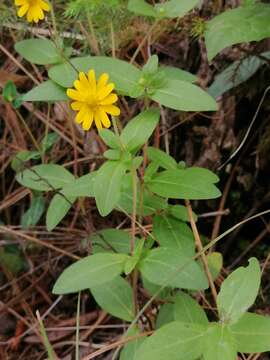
32, 2
91, 100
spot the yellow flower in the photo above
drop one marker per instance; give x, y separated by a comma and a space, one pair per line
33, 9
93, 100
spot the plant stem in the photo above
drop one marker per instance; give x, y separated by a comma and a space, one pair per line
134, 209
200, 249
77, 349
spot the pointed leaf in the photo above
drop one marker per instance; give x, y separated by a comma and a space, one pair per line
38, 51
130, 350
124, 75
46, 91
32, 216
174, 341
219, 341
174, 234
252, 333
161, 158
91, 271
176, 8
107, 185
139, 129
81, 187
45, 177
58, 208
187, 310
111, 240
174, 73
244, 24
239, 291
192, 183
115, 297
166, 266
184, 96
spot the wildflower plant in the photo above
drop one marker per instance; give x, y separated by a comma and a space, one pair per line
139, 181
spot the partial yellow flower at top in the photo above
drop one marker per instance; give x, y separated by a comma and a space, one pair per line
33, 9
93, 100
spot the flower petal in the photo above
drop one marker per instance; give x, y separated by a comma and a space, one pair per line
87, 123
92, 80
97, 120
23, 10
110, 99
82, 114
104, 118
74, 94
21, 2
30, 14
76, 105
105, 91
44, 5
102, 81
83, 79
79, 85
111, 109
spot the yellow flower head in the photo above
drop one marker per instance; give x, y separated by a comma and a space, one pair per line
93, 100
33, 9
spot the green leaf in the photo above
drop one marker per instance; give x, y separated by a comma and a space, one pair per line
152, 289
184, 96
192, 183
17, 163
176, 8
165, 315
150, 205
142, 8
107, 186
38, 51
110, 138
112, 154
111, 240
45, 177
130, 350
252, 333
174, 234
235, 74
244, 24
187, 310
180, 212
164, 265
84, 186
91, 271
173, 73
161, 158
32, 216
48, 141
173, 341
168, 9
9, 91
239, 291
139, 129
133, 260
124, 75
219, 341
58, 208
115, 297
215, 263
151, 67
46, 91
